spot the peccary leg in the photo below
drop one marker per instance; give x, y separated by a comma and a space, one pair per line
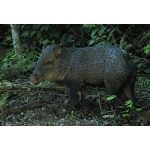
82, 96
74, 89
112, 90
127, 92
117, 101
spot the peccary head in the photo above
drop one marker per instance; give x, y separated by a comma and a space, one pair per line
46, 68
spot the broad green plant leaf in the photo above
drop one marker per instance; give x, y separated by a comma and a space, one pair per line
147, 49
138, 109
129, 103
89, 25
111, 97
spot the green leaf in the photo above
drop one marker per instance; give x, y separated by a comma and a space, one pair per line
2, 102
91, 42
45, 41
111, 97
126, 111
33, 33
44, 28
6, 83
89, 25
63, 38
128, 103
28, 89
25, 34
93, 32
147, 49
126, 115
138, 109
128, 46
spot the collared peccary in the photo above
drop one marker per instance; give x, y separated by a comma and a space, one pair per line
76, 67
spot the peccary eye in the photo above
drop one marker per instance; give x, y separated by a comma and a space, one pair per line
47, 63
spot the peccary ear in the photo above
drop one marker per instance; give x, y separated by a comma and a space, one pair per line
58, 50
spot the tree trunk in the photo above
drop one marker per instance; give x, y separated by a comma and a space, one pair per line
16, 39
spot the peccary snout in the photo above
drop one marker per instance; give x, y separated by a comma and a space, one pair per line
33, 80
76, 67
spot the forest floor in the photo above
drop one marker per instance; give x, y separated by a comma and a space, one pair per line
52, 108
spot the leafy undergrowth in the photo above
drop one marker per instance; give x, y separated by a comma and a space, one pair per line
96, 112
